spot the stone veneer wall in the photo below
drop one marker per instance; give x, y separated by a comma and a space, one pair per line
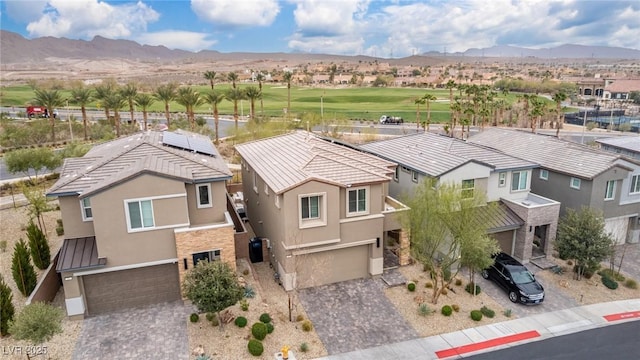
536, 216
190, 242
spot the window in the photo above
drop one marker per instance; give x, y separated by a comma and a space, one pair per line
87, 214
357, 201
213, 255
467, 188
140, 214
414, 176
277, 201
204, 195
575, 183
266, 189
396, 174
519, 181
310, 206
405, 169
255, 181
502, 179
544, 174
635, 184
610, 191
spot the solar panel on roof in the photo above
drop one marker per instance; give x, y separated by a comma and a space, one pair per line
201, 145
176, 140
181, 141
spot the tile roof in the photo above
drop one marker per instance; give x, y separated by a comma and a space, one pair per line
289, 160
436, 155
631, 143
623, 85
79, 253
550, 152
116, 161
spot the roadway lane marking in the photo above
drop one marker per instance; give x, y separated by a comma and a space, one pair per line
487, 344
622, 316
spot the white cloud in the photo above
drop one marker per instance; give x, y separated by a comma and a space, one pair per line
86, 19
319, 17
236, 13
185, 40
344, 45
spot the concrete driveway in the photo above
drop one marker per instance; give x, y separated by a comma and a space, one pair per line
354, 315
152, 332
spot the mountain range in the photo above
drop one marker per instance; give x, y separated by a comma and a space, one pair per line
17, 49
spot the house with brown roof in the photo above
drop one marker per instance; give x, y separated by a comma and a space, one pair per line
525, 226
138, 212
577, 176
323, 209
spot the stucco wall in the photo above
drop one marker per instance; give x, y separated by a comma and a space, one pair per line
74, 226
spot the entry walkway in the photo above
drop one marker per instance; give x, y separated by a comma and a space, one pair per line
471, 341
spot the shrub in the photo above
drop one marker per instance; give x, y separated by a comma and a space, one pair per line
458, 282
7, 310
259, 330
194, 318
609, 283
299, 318
215, 321
244, 305
424, 309
3, 245
470, 287
507, 313
270, 328
245, 272
265, 318
569, 262
558, 270
476, 315
241, 321
307, 326
444, 291
59, 231
446, 310
39, 247
255, 347
249, 292
455, 307
631, 284
411, 286
428, 285
611, 274
210, 316
487, 312
23, 273
304, 347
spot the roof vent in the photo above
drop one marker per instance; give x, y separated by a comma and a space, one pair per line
526, 203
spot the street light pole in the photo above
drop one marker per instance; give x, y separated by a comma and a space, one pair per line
69, 120
584, 125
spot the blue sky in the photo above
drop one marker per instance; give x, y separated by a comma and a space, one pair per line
384, 28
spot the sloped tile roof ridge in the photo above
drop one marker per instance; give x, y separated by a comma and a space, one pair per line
330, 148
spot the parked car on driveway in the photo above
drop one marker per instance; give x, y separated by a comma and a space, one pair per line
516, 279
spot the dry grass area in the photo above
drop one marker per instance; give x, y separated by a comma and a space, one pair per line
12, 223
230, 342
408, 304
586, 291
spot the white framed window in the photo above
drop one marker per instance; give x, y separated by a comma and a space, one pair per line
212, 255
502, 179
139, 214
203, 194
610, 190
255, 181
468, 187
414, 176
266, 189
357, 203
575, 183
396, 174
312, 210
519, 180
277, 201
635, 185
87, 213
544, 174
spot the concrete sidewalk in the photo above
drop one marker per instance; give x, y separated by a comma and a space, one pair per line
492, 337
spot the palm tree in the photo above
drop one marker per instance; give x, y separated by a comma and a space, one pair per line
115, 101
214, 98
233, 77
190, 99
235, 95
451, 85
419, 101
82, 96
144, 101
287, 76
260, 78
559, 97
50, 99
536, 112
103, 91
252, 93
129, 93
428, 98
211, 76
166, 93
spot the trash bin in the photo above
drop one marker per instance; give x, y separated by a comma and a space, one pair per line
255, 250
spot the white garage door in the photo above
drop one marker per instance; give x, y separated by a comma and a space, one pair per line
618, 228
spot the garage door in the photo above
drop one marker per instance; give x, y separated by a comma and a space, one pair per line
618, 228
332, 266
107, 292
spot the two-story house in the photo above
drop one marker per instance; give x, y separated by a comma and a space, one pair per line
526, 225
628, 146
323, 209
138, 212
577, 176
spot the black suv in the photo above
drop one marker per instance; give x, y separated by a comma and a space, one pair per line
514, 277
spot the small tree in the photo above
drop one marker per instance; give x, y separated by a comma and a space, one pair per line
40, 252
23, 160
23, 273
37, 205
38, 322
582, 237
6, 307
212, 286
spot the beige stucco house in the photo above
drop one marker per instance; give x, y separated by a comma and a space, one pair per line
138, 212
323, 209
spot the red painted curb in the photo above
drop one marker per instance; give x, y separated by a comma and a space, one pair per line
487, 344
622, 316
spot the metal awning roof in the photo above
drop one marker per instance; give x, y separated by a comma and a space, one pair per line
79, 253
